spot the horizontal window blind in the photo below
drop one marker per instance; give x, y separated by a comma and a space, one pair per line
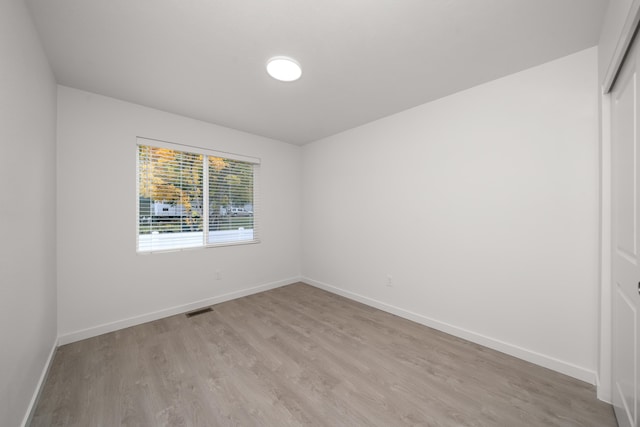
231, 200
197, 150
188, 199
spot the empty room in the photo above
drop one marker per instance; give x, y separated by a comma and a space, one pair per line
324, 213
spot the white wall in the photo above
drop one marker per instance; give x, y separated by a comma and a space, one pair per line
103, 283
482, 206
27, 212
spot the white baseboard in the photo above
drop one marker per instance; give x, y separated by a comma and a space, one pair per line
149, 317
603, 390
501, 346
36, 393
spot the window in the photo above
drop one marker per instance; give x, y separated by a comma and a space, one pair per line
190, 197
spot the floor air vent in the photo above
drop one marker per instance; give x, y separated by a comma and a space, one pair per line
197, 312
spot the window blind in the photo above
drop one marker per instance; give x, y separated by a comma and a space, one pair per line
188, 199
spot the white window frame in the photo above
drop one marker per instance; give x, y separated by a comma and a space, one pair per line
141, 141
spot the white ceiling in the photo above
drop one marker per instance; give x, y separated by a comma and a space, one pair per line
361, 59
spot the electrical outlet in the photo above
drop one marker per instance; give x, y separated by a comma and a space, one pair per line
389, 281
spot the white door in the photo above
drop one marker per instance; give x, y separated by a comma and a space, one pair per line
626, 240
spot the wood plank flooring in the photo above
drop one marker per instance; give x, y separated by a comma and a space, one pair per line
298, 355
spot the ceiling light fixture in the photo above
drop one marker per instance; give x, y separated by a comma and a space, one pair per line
284, 69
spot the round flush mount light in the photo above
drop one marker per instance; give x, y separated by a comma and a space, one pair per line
284, 69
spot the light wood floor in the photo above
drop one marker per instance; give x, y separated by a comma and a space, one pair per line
300, 356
